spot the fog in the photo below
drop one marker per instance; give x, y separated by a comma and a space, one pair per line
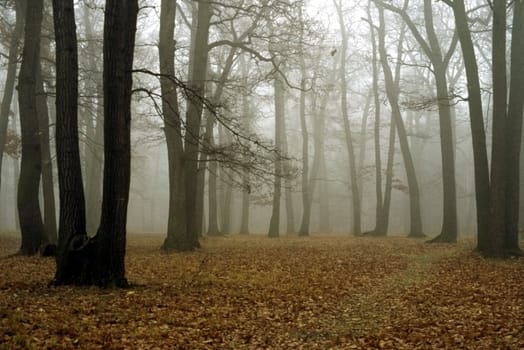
314, 59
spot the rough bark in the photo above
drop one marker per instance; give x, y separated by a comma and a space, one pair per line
72, 225
119, 41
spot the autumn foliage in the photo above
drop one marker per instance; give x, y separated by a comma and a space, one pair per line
321, 292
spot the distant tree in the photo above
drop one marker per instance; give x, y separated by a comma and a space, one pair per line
93, 112
176, 224
197, 75
279, 91
355, 195
48, 187
383, 198
31, 224
392, 93
478, 134
5, 108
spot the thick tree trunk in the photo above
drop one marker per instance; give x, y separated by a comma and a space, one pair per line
514, 130
32, 227
499, 170
119, 43
72, 265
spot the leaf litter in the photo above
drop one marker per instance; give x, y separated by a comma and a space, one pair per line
252, 292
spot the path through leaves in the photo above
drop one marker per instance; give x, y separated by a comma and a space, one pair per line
323, 292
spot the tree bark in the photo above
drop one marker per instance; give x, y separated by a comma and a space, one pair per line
119, 43
514, 130
193, 121
478, 134
47, 163
176, 224
71, 265
32, 227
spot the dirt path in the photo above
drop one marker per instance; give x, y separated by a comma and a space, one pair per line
375, 306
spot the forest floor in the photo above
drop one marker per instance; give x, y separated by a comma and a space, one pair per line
252, 292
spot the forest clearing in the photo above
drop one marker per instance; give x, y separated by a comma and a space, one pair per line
320, 292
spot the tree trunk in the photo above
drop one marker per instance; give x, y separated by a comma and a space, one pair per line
286, 169
119, 43
274, 223
47, 163
499, 171
376, 133
246, 123
176, 225
449, 221
392, 94
32, 227
72, 266
193, 121
347, 128
306, 201
9, 86
478, 134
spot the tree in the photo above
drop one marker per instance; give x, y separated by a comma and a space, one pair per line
279, 91
18, 31
503, 237
31, 225
177, 224
193, 121
347, 128
392, 93
383, 198
72, 221
119, 43
478, 134
98, 260
433, 51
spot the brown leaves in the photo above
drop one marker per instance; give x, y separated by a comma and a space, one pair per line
253, 292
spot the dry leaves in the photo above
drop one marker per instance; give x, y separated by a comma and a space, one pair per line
259, 293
